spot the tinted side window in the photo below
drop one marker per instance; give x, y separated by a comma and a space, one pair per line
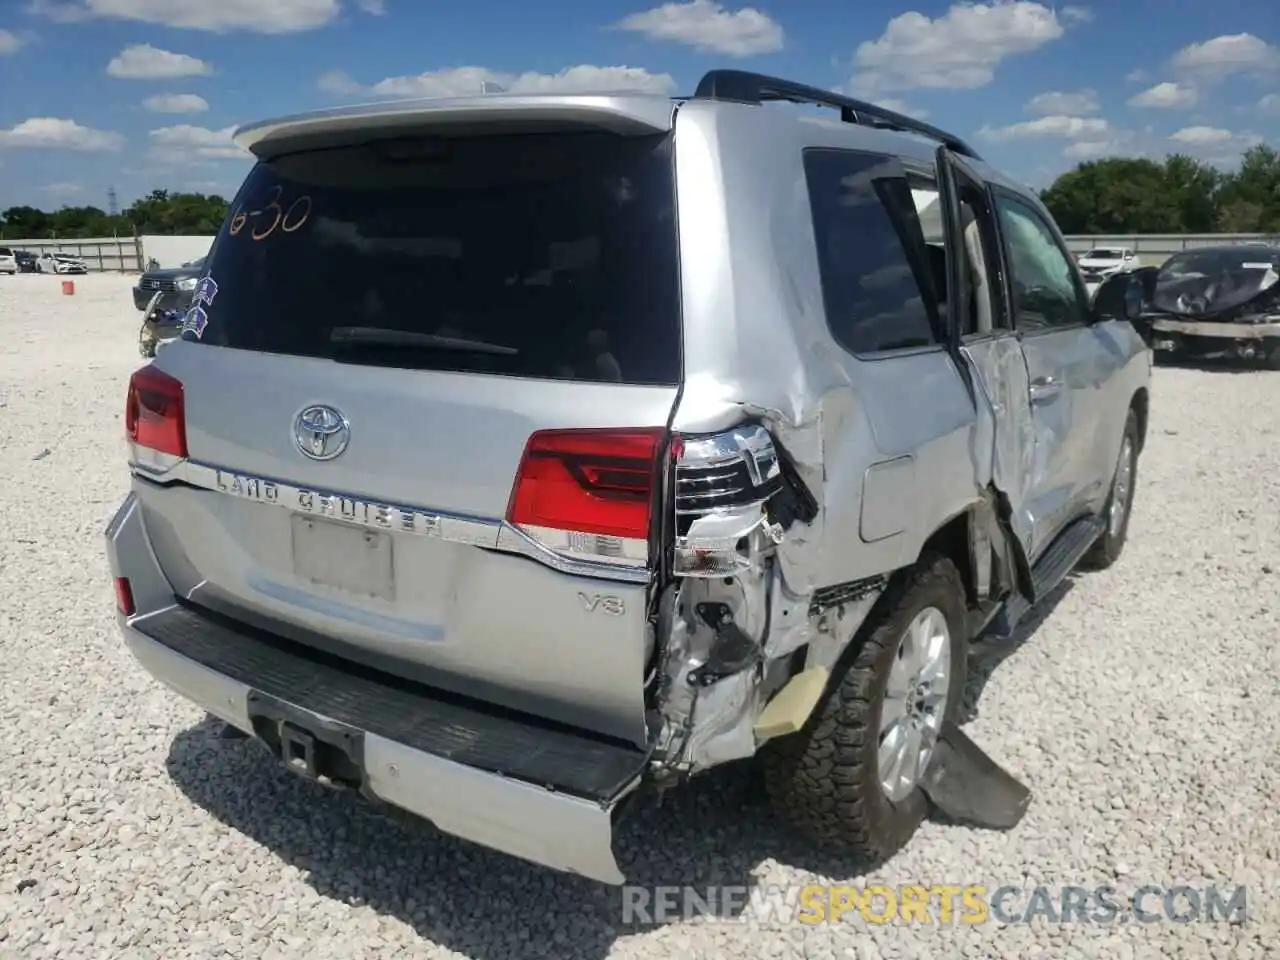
1045, 293
550, 256
877, 281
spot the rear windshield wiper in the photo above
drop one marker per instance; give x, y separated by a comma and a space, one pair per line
384, 337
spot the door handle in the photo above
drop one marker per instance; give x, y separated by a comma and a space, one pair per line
1044, 388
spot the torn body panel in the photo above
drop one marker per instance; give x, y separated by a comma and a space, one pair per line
848, 433
729, 616
1003, 445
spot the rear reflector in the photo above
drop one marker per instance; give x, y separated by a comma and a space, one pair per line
124, 596
588, 482
154, 416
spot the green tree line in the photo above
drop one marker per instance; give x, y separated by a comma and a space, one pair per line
1118, 195
160, 212
1128, 195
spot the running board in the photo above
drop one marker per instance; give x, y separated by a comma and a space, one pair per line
1063, 555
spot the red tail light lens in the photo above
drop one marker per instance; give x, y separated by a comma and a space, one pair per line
124, 596
154, 415
588, 481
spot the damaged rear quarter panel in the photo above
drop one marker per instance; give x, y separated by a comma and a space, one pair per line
757, 347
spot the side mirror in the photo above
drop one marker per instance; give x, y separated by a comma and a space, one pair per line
1123, 295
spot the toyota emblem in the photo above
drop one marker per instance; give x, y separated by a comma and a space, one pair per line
321, 432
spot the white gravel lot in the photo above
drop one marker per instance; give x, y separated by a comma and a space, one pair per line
1143, 712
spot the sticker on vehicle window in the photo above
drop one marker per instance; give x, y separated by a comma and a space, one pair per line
1256, 266
195, 322
206, 290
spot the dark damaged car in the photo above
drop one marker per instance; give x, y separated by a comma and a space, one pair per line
1215, 301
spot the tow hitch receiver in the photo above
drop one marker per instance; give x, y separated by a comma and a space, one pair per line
298, 750
967, 786
325, 751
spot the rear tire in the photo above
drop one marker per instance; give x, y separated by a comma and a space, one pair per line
825, 781
1107, 548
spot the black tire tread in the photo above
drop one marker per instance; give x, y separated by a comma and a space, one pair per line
822, 781
1106, 549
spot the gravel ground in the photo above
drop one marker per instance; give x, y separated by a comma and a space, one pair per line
1143, 712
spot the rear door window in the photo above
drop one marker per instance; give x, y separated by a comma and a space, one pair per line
881, 281
545, 256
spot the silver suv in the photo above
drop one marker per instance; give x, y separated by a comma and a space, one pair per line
525, 454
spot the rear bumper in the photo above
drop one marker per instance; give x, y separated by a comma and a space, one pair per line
542, 793
1216, 329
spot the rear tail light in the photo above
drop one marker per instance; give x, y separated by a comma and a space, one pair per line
589, 493
154, 414
124, 596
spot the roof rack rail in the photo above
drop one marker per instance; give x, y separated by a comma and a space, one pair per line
741, 86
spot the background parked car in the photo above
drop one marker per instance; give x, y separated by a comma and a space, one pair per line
61, 263
174, 284
1214, 300
8, 262
26, 261
1102, 262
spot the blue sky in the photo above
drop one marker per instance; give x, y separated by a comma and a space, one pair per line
143, 94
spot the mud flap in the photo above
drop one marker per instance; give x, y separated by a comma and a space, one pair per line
967, 786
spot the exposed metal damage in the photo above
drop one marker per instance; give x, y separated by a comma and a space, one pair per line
741, 606
749, 639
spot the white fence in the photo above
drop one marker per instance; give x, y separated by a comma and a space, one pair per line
130, 254
121, 254
1153, 249
108, 254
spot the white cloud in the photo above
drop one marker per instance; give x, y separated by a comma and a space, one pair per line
1167, 95
1230, 53
901, 106
1270, 103
184, 143
1075, 128
1136, 76
9, 42
176, 103
142, 61
374, 8
466, 81
217, 16
707, 26
1202, 135
1077, 15
1091, 149
62, 189
57, 134
1071, 103
338, 82
959, 50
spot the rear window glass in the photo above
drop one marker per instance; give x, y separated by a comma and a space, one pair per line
1208, 263
880, 279
545, 256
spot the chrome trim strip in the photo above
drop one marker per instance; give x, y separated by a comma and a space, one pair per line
514, 540
486, 532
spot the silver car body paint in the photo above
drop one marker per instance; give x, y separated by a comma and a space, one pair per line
892, 448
